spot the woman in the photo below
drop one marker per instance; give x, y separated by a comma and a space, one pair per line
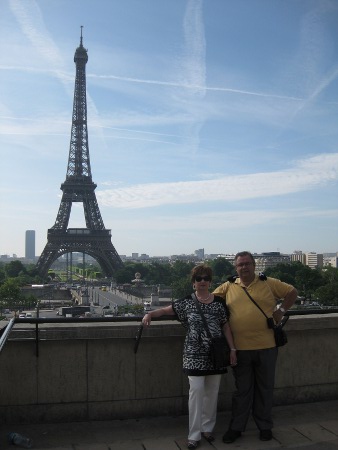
204, 380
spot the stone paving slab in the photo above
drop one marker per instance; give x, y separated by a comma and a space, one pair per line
315, 432
319, 446
288, 436
307, 427
126, 445
68, 447
331, 425
162, 443
181, 443
91, 447
248, 441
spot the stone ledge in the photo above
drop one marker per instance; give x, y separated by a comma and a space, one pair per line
111, 330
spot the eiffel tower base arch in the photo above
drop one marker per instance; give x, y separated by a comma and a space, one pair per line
96, 243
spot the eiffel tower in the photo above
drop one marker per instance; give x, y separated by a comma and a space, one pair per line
93, 240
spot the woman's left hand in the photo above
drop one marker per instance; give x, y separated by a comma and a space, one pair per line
233, 357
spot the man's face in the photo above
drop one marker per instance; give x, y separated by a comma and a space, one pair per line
245, 268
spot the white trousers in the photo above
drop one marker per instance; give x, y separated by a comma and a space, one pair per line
203, 396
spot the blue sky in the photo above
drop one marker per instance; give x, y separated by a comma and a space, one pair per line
212, 123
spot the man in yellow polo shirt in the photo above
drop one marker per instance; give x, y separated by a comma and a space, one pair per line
255, 343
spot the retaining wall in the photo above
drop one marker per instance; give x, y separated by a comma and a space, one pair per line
89, 371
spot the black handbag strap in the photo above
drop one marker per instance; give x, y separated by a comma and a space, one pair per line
285, 318
198, 306
253, 301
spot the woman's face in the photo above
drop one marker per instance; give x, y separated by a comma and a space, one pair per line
202, 281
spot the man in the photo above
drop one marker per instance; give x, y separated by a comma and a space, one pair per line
255, 344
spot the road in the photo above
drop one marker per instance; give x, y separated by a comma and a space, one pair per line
110, 298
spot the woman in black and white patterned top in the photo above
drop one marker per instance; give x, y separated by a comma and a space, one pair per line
204, 380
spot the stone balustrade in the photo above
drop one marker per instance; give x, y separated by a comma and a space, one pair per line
88, 371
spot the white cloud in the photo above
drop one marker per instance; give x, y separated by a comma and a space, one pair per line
193, 62
305, 175
195, 87
32, 24
221, 220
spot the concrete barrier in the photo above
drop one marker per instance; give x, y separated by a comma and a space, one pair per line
89, 371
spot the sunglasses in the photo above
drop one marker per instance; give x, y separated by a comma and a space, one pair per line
206, 278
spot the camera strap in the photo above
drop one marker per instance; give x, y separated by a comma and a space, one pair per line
285, 318
253, 301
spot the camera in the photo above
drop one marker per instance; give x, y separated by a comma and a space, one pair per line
270, 322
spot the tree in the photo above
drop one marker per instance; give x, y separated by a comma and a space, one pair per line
2, 274
23, 279
280, 275
328, 294
330, 274
10, 293
285, 271
32, 271
127, 273
308, 280
221, 269
13, 269
158, 274
123, 275
305, 279
180, 269
182, 287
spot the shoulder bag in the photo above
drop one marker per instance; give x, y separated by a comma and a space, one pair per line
280, 334
219, 348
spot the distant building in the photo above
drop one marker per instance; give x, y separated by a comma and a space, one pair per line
199, 253
30, 245
298, 255
269, 259
136, 257
331, 260
212, 256
314, 260
183, 257
144, 256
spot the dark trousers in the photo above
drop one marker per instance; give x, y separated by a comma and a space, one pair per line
255, 380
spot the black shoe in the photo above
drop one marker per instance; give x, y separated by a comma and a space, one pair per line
265, 435
231, 435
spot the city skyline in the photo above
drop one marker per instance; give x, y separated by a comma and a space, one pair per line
141, 254
211, 125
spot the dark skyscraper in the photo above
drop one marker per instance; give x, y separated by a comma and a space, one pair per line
30, 244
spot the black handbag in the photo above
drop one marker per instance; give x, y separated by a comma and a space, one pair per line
280, 334
219, 348
219, 352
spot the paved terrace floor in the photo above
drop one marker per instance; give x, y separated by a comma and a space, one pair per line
310, 426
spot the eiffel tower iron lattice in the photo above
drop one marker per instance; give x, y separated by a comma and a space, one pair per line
95, 239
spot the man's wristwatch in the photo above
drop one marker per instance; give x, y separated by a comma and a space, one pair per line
282, 310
